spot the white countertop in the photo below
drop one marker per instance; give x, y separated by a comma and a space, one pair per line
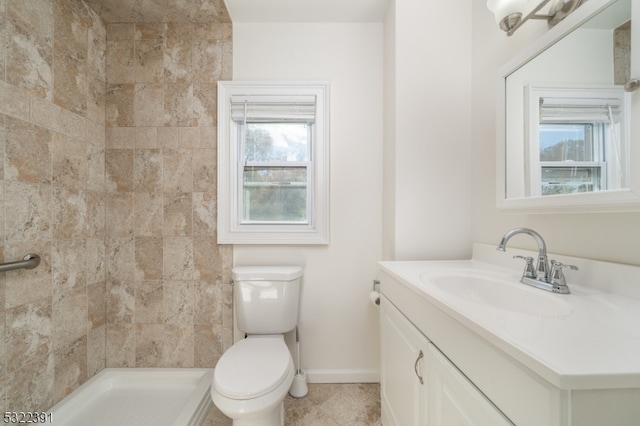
592, 344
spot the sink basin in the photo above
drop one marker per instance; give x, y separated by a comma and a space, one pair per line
501, 294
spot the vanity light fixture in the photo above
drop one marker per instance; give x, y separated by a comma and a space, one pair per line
509, 13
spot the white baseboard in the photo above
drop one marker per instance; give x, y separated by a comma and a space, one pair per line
343, 376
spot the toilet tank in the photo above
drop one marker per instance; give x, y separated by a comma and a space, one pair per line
266, 298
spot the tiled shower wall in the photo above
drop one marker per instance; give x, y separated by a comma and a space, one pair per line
52, 200
168, 293
107, 136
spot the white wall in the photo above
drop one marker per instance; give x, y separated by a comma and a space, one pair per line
605, 236
338, 325
428, 132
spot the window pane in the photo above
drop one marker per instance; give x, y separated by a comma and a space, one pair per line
277, 142
567, 180
275, 194
566, 142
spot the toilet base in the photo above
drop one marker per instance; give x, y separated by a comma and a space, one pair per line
274, 418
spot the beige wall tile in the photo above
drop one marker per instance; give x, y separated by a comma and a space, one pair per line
119, 170
14, 102
207, 60
205, 104
96, 178
120, 258
146, 137
178, 105
147, 170
96, 211
208, 346
120, 61
69, 162
69, 213
177, 213
168, 137
31, 385
119, 214
70, 370
149, 31
148, 213
149, 61
73, 125
205, 170
207, 259
204, 213
68, 267
29, 46
96, 350
120, 137
70, 83
69, 313
120, 31
120, 348
44, 113
148, 258
188, 137
119, 105
177, 170
120, 302
149, 302
22, 345
148, 105
29, 218
178, 258
27, 152
178, 346
149, 344
96, 307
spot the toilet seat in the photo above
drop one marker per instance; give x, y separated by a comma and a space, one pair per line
252, 367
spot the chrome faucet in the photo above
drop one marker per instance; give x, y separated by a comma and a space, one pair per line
539, 276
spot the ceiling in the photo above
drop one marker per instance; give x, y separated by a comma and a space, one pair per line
238, 11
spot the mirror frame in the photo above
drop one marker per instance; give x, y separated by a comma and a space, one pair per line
618, 200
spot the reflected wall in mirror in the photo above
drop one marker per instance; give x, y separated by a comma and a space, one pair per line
567, 142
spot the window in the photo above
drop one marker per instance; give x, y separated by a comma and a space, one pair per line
273, 175
574, 140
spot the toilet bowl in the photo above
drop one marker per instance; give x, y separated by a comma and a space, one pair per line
252, 379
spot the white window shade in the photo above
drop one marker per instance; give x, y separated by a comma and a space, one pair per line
580, 110
299, 108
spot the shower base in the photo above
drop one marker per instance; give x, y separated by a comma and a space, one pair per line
140, 397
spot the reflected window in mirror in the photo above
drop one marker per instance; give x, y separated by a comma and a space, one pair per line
576, 140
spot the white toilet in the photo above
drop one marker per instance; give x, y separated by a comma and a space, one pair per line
252, 377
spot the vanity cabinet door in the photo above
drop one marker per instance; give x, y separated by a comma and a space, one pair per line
454, 400
403, 362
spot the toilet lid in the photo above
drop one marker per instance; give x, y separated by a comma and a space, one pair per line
252, 367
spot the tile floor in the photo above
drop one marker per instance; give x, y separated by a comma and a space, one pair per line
327, 404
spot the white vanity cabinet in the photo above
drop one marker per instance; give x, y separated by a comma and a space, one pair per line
403, 367
454, 400
473, 377
420, 386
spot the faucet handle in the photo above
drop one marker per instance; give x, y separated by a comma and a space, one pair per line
529, 268
557, 276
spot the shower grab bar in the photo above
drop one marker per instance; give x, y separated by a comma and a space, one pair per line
30, 261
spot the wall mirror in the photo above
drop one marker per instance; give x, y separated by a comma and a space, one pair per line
568, 131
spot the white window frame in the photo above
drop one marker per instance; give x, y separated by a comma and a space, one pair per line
231, 229
611, 177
